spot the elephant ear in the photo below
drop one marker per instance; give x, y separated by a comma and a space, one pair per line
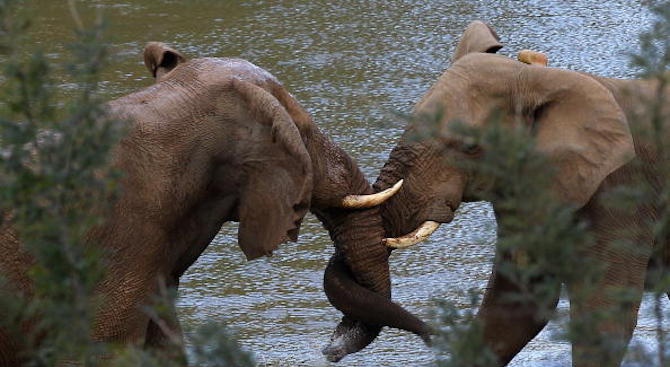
278, 186
161, 59
477, 37
581, 128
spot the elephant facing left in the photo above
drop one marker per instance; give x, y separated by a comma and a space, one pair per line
597, 135
217, 140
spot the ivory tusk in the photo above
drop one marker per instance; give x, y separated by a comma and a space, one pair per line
368, 201
533, 58
424, 231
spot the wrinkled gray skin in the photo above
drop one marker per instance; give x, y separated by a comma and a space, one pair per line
581, 123
218, 140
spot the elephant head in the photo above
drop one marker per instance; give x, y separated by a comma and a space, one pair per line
574, 120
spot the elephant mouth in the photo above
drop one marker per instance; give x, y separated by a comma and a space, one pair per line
292, 233
442, 213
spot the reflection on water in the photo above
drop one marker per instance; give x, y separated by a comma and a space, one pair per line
357, 68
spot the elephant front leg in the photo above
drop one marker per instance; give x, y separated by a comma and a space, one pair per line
138, 313
603, 313
512, 314
10, 350
164, 333
165, 337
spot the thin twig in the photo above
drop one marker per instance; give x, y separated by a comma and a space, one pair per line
75, 15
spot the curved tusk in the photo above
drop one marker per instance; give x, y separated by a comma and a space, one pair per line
424, 231
532, 57
368, 201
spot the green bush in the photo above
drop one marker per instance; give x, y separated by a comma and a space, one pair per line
56, 184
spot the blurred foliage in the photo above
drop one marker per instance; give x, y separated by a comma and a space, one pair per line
213, 346
459, 340
56, 184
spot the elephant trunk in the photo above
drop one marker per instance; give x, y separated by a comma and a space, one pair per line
365, 313
357, 278
395, 167
357, 283
393, 211
357, 235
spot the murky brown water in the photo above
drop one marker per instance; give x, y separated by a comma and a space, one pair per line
354, 67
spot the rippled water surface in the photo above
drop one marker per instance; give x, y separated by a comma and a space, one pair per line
355, 66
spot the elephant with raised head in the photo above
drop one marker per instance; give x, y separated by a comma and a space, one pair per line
581, 124
217, 140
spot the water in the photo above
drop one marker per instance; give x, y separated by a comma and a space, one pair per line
354, 67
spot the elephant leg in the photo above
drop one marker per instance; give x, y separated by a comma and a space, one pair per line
510, 322
603, 313
605, 297
124, 316
165, 338
141, 315
164, 333
9, 351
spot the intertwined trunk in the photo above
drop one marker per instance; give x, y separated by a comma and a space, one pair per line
356, 259
399, 209
357, 234
357, 280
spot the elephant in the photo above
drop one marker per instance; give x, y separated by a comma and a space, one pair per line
217, 140
590, 129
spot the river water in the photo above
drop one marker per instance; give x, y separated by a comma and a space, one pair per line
355, 66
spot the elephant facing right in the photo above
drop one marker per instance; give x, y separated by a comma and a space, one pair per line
597, 135
214, 140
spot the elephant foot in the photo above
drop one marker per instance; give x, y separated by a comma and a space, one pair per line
349, 337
